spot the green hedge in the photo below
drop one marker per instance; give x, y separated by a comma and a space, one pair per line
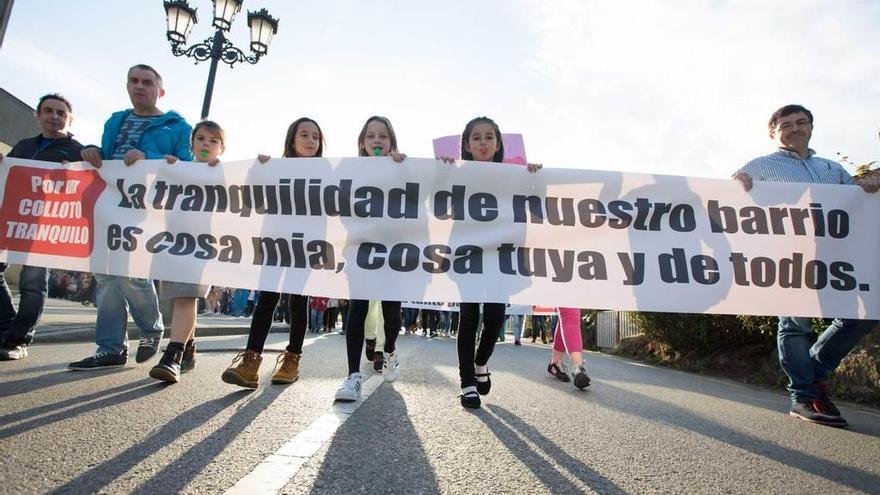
707, 333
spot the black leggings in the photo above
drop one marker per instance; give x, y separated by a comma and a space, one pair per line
354, 332
261, 323
469, 319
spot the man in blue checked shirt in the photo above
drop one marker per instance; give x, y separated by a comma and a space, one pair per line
807, 366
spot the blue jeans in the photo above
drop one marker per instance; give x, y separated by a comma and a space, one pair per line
805, 364
114, 296
17, 327
317, 320
516, 323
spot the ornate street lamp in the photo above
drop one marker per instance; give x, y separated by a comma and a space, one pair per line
182, 17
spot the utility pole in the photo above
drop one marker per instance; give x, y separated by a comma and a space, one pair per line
5, 11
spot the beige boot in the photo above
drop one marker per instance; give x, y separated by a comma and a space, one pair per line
288, 372
246, 372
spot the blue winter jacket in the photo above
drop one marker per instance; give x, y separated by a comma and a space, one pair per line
168, 134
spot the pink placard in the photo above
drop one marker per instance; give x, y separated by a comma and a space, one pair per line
514, 149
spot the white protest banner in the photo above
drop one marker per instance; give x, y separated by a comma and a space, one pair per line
427, 231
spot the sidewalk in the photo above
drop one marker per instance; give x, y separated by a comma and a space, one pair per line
68, 321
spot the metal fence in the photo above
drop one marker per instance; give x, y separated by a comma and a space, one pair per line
611, 326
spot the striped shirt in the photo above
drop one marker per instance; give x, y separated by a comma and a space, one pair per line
788, 166
130, 133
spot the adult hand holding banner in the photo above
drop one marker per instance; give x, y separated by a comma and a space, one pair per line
370, 228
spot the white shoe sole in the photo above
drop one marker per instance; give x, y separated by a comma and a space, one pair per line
346, 396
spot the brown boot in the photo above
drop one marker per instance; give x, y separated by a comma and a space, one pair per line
288, 372
246, 372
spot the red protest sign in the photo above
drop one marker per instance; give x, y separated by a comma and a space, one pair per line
50, 211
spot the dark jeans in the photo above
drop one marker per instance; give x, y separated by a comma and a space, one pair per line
805, 362
469, 314
409, 317
539, 323
330, 317
17, 327
261, 323
354, 332
432, 319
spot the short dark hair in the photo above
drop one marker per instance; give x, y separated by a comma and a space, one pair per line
55, 96
785, 112
289, 150
466, 136
362, 150
210, 126
146, 67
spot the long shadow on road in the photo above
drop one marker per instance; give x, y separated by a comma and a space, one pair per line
657, 411
404, 464
95, 479
40, 382
507, 427
177, 475
130, 391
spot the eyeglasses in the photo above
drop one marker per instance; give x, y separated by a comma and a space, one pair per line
791, 125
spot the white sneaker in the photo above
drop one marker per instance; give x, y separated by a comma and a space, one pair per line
350, 390
391, 367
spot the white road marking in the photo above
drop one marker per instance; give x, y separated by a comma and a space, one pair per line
275, 471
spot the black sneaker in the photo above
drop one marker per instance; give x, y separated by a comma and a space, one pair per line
558, 371
580, 377
168, 369
99, 361
810, 411
188, 362
370, 349
148, 348
378, 361
470, 399
13, 352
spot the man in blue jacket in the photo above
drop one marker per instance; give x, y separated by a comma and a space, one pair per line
54, 144
142, 132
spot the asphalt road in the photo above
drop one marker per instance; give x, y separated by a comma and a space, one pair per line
636, 429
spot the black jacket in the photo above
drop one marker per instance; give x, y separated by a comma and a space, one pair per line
63, 148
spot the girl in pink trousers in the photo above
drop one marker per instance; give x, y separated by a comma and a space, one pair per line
567, 339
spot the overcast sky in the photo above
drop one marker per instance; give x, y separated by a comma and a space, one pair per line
631, 86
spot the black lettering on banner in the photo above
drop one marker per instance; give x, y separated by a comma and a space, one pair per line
755, 220
633, 267
794, 272
133, 196
677, 268
296, 253
123, 238
404, 257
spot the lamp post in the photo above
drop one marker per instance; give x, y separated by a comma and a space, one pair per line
182, 17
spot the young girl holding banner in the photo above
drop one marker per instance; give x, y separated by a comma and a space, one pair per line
376, 138
207, 141
304, 140
481, 141
567, 339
